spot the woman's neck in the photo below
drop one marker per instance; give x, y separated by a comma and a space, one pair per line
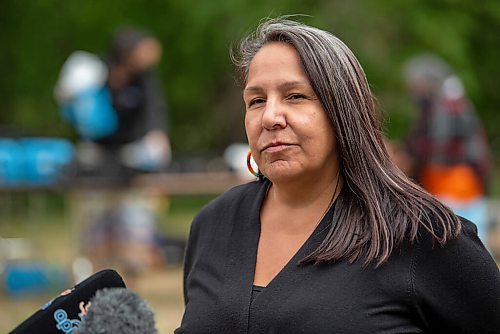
307, 193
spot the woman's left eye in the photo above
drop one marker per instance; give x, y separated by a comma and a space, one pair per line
296, 97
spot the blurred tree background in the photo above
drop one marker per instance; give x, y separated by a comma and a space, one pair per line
206, 109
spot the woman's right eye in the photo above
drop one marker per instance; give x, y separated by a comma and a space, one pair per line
256, 101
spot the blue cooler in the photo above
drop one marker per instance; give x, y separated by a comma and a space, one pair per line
45, 158
12, 163
31, 278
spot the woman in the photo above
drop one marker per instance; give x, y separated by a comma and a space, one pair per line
332, 238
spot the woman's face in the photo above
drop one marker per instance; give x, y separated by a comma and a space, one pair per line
289, 133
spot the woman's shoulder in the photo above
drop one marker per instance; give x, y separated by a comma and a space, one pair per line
432, 229
433, 225
235, 195
238, 198
464, 249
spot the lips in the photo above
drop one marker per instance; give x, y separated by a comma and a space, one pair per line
276, 147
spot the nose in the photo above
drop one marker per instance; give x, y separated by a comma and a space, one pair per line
274, 116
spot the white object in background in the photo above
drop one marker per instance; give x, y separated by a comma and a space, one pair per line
149, 153
82, 268
81, 71
235, 156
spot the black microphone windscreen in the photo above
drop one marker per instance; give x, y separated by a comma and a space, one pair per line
118, 310
63, 314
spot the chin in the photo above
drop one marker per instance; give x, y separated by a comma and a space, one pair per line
281, 175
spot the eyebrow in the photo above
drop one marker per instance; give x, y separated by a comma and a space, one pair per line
282, 86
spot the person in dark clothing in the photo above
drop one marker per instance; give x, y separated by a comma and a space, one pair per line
332, 237
138, 100
117, 106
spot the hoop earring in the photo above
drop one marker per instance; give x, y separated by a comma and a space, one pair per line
249, 166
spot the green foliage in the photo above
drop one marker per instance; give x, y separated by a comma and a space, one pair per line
205, 101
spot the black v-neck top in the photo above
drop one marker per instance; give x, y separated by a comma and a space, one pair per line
422, 289
256, 290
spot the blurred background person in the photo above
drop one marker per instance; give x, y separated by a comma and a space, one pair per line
447, 143
118, 109
138, 101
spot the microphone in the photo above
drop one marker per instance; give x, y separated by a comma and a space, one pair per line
118, 310
64, 313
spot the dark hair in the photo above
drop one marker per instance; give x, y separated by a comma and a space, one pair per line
383, 208
125, 40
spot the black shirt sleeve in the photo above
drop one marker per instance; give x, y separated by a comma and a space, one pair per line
155, 105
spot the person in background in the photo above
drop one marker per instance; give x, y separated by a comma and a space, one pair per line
447, 143
138, 101
118, 108
331, 237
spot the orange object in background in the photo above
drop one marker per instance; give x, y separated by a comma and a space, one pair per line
458, 182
